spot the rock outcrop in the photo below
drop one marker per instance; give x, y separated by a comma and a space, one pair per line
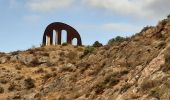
137, 68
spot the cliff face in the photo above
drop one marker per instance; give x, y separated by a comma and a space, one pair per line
135, 68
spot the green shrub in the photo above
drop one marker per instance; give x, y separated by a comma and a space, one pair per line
146, 28
33, 47
118, 39
168, 16
163, 22
97, 44
64, 44
88, 49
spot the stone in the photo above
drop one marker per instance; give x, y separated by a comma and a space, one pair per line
3, 60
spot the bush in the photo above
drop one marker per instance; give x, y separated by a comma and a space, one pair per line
11, 87
88, 49
64, 44
118, 39
47, 76
107, 82
97, 44
146, 28
149, 84
168, 16
163, 22
29, 83
166, 66
72, 55
40, 70
1, 90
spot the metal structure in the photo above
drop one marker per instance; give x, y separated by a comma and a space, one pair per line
58, 27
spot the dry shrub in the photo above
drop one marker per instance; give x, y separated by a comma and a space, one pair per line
29, 83
40, 70
88, 50
1, 90
80, 49
48, 75
72, 55
148, 84
166, 66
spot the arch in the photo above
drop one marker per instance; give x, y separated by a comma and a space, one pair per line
71, 33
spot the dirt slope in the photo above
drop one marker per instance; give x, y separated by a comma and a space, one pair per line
136, 68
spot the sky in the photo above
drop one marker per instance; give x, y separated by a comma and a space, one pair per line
22, 22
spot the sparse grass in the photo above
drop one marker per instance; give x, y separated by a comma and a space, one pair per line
160, 36
47, 76
34, 62
125, 87
80, 49
83, 66
49, 63
159, 91
161, 45
109, 81
67, 68
40, 70
53, 69
155, 93
72, 55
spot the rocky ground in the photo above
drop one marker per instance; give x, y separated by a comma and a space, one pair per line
135, 68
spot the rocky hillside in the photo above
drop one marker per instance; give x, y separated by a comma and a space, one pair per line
133, 68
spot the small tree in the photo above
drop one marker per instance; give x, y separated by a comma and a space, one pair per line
118, 39
168, 16
97, 44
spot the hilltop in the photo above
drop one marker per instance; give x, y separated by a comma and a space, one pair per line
136, 68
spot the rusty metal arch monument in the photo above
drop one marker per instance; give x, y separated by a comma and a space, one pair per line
58, 27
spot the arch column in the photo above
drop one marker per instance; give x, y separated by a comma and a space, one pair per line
49, 40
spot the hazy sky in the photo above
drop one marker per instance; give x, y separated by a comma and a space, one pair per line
22, 22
